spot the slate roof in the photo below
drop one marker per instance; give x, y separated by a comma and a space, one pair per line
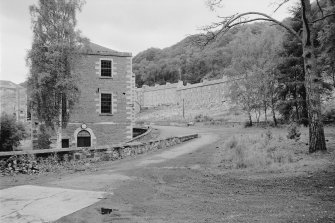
9, 84
95, 49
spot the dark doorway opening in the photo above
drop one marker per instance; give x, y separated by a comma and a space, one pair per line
83, 139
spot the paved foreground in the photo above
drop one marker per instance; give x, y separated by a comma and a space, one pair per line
43, 204
30, 203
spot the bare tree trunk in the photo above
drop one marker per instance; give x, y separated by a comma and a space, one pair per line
274, 117
297, 111
304, 109
250, 120
265, 112
295, 96
272, 104
59, 126
258, 114
333, 76
312, 82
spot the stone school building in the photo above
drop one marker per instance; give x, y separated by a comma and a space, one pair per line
104, 114
13, 100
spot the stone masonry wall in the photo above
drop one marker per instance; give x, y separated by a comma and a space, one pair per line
105, 129
13, 101
158, 94
206, 94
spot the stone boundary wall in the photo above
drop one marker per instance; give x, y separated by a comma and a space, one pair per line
112, 152
157, 95
136, 148
205, 94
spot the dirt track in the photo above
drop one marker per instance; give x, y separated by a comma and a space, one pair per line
182, 184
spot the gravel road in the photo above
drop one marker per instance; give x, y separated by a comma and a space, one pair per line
182, 184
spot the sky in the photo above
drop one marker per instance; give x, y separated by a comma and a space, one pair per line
122, 25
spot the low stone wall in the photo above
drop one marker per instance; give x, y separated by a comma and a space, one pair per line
112, 152
133, 149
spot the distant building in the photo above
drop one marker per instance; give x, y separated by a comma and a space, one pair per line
104, 113
13, 100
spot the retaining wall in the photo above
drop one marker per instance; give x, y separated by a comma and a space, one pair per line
207, 94
112, 152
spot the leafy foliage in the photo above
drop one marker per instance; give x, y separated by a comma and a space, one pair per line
11, 133
291, 89
183, 61
326, 37
43, 138
52, 80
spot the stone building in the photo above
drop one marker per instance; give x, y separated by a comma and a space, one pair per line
13, 100
104, 113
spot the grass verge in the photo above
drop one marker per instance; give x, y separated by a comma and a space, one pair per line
271, 149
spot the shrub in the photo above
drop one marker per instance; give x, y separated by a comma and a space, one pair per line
247, 124
269, 135
293, 132
12, 133
207, 118
329, 114
198, 118
231, 143
202, 118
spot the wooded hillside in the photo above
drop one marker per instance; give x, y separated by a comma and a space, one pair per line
267, 56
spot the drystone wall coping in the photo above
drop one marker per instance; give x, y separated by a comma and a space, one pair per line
188, 86
159, 87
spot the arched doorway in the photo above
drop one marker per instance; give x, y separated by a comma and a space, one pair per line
83, 139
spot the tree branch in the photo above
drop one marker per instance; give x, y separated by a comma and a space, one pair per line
281, 4
235, 20
318, 3
324, 17
252, 20
269, 18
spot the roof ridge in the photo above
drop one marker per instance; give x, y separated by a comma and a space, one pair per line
93, 48
6, 83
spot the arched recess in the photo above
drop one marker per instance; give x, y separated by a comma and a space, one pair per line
75, 134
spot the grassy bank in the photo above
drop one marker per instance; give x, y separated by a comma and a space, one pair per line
273, 149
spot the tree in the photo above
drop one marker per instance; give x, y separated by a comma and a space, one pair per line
11, 133
313, 82
326, 36
292, 91
244, 94
52, 80
43, 138
254, 52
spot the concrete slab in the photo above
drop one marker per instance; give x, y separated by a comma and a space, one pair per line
29, 203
